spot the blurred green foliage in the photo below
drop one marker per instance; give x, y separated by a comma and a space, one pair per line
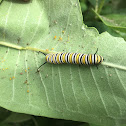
105, 15
8, 118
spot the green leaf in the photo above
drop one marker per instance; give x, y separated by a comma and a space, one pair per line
42, 121
67, 91
98, 4
6, 124
101, 27
93, 125
4, 114
17, 118
95, 2
83, 6
1, 1
115, 22
84, 124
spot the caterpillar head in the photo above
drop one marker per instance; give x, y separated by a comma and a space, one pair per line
99, 59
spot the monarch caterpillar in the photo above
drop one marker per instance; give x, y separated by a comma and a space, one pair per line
73, 58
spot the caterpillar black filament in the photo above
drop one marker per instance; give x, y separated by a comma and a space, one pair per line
73, 58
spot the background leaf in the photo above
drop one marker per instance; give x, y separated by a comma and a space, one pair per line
17, 118
115, 22
4, 114
72, 92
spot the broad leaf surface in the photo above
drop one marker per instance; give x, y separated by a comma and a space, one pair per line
72, 92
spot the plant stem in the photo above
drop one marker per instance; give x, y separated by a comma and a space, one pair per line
114, 65
24, 48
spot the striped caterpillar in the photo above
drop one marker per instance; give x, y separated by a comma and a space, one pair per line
73, 58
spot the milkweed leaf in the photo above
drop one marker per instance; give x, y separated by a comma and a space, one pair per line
71, 92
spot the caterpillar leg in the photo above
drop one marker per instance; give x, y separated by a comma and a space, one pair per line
41, 66
97, 67
42, 53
